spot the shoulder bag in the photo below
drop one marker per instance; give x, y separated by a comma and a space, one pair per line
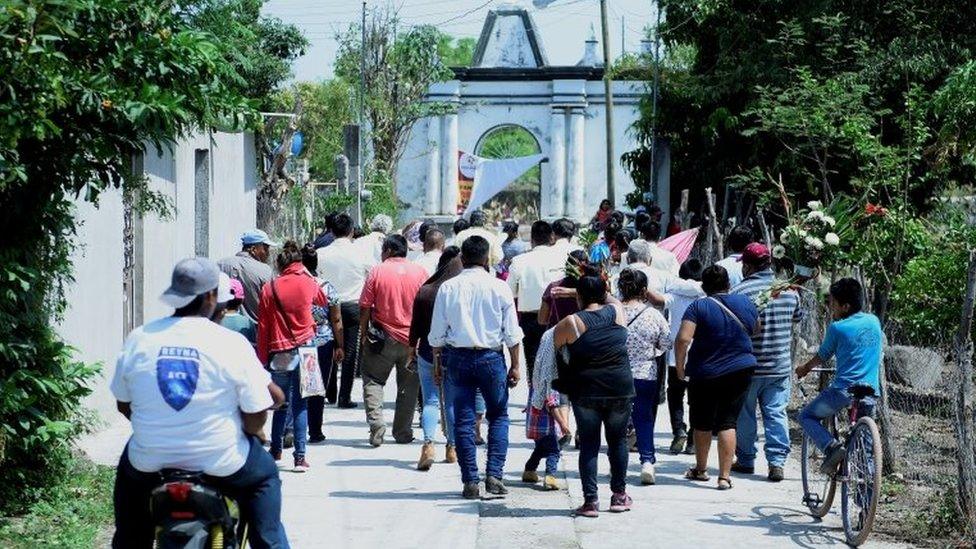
310, 377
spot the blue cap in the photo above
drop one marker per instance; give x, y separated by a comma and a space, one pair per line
256, 236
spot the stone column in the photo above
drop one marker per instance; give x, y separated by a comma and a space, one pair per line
576, 178
449, 165
432, 204
554, 193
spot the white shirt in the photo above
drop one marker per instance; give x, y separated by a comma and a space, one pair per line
531, 273
657, 280
429, 260
474, 310
371, 244
344, 264
663, 260
495, 253
564, 247
733, 264
680, 294
187, 381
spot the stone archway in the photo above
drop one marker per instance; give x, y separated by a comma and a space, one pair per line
521, 200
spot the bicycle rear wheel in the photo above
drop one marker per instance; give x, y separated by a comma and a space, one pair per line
818, 488
862, 485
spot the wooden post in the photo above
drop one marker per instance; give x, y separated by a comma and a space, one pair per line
963, 347
716, 234
889, 460
764, 228
684, 218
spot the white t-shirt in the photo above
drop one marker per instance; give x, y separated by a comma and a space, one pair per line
531, 273
733, 265
187, 380
345, 264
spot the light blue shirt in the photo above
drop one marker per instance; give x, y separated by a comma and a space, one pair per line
856, 343
474, 310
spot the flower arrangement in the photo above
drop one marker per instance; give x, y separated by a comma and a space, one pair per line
814, 238
763, 299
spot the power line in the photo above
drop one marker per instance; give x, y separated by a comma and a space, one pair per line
465, 14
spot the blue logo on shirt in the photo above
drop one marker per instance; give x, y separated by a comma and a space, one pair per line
177, 371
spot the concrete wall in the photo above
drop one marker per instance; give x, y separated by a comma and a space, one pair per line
96, 320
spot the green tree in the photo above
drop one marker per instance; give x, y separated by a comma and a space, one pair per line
87, 85
326, 108
455, 52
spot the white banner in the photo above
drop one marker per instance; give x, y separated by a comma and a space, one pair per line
492, 176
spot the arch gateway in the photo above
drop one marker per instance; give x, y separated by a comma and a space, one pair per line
511, 85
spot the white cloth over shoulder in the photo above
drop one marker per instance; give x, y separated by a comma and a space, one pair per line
544, 370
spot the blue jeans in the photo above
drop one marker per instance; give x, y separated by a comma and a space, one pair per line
771, 394
448, 405
644, 416
255, 487
432, 401
470, 370
546, 448
827, 404
591, 416
297, 410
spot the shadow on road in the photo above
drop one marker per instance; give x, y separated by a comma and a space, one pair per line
802, 529
384, 462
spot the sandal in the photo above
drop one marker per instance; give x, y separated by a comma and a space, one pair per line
696, 474
724, 483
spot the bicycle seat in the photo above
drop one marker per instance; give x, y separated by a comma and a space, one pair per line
859, 391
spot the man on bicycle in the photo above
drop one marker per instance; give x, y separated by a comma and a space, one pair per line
197, 398
854, 338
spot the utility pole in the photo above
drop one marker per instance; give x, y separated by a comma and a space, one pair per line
623, 35
653, 187
608, 88
358, 217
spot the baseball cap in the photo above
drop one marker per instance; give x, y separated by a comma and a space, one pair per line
755, 254
237, 288
191, 277
223, 289
257, 236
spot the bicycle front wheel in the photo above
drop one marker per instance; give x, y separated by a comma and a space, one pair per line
862, 485
818, 488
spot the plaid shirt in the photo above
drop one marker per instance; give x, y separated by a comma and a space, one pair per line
539, 423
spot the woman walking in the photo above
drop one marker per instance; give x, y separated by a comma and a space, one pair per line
648, 337
596, 376
285, 324
720, 368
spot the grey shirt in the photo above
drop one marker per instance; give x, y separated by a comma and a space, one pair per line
253, 276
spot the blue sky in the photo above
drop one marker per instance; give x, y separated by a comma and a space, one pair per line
564, 25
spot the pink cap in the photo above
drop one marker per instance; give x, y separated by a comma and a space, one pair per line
236, 288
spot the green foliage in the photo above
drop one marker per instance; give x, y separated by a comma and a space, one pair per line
75, 513
326, 108
455, 52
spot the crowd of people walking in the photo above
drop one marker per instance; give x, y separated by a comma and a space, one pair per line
607, 334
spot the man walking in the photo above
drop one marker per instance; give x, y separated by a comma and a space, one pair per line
479, 222
433, 248
346, 268
385, 312
770, 386
250, 266
372, 243
736, 243
528, 276
474, 318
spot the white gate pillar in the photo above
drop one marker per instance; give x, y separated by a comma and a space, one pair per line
554, 192
575, 165
432, 204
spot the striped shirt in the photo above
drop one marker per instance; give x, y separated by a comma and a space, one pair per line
772, 344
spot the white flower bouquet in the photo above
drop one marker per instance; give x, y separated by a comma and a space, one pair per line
815, 236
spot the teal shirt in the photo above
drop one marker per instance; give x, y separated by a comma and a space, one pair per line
242, 325
855, 342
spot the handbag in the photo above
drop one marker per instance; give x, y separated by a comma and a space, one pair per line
310, 378
375, 338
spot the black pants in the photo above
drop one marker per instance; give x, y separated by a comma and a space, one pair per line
350, 328
316, 404
529, 322
592, 415
676, 402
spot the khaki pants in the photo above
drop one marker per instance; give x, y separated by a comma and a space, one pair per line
376, 372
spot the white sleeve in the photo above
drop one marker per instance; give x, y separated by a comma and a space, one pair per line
119, 387
512, 332
438, 321
251, 378
514, 272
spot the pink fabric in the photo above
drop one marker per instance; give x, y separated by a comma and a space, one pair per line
389, 291
680, 244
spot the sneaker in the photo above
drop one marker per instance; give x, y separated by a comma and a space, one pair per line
590, 509
775, 473
690, 448
450, 454
376, 437
678, 444
316, 439
471, 491
479, 440
742, 469
620, 503
530, 476
550, 483
426, 457
346, 405
301, 465
495, 487
276, 455
835, 454
647, 473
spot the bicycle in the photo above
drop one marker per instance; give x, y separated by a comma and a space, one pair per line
859, 473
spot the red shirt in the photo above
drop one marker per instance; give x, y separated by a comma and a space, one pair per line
389, 291
290, 325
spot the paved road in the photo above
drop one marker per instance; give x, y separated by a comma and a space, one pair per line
359, 496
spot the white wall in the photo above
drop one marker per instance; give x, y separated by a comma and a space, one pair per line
94, 322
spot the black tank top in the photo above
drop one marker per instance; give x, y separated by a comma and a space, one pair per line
599, 357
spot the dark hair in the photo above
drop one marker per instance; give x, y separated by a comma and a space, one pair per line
194, 307
342, 226
474, 251
330, 220
691, 269
715, 280
848, 291
431, 235
622, 240
541, 232
591, 289
605, 201
290, 253
424, 227
447, 255
640, 219
610, 231
395, 246
564, 228
510, 227
739, 238
582, 261
460, 225
651, 231
358, 232
478, 218
618, 216
310, 258
632, 284
235, 303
